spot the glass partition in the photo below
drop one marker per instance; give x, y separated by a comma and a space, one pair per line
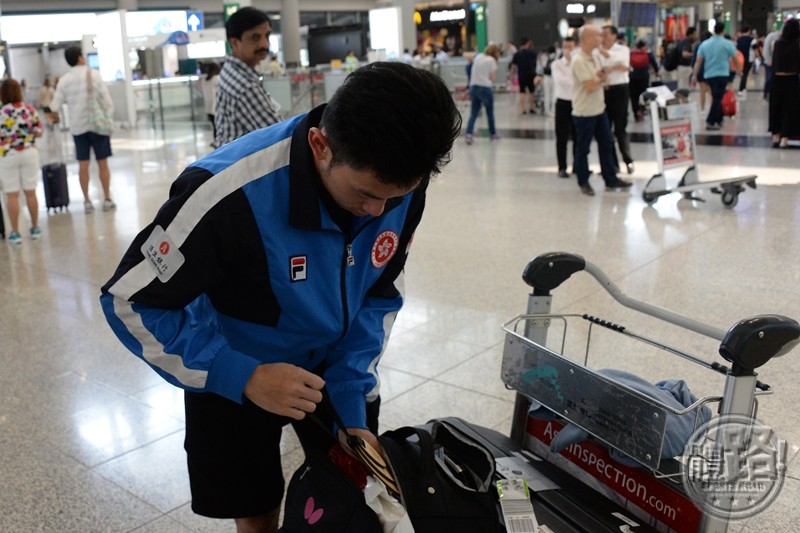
179, 99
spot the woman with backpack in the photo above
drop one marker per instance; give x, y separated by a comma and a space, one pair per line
641, 61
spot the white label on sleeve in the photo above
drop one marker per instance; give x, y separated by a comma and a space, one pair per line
162, 254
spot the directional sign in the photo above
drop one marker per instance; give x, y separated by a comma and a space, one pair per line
194, 20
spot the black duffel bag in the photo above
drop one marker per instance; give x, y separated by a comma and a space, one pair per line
444, 477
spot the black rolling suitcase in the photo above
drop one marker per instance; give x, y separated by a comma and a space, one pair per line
2, 223
56, 191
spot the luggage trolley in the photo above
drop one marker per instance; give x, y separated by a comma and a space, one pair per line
676, 150
625, 420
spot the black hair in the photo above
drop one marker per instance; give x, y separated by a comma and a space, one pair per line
244, 19
571, 39
524, 41
691, 31
719, 28
791, 30
612, 29
392, 119
72, 54
213, 70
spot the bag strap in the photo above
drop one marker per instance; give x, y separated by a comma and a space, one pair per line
327, 404
427, 464
89, 84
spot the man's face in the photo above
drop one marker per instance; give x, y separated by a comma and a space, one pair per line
568, 47
253, 47
608, 38
591, 38
357, 191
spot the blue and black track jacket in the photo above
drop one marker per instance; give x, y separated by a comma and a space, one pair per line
244, 265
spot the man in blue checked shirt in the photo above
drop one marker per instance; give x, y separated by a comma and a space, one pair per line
243, 104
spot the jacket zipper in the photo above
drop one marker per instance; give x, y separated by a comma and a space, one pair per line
347, 261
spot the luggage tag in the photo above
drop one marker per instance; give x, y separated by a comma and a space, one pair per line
515, 501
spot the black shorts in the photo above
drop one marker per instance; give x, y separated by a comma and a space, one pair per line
526, 83
100, 144
234, 457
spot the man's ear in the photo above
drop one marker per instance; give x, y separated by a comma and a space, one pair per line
319, 145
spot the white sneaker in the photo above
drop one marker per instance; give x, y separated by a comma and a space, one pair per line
88, 207
108, 205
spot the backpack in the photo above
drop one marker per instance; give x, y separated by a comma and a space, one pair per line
639, 59
322, 499
672, 56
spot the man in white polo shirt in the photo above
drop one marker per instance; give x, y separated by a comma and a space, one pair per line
616, 61
561, 70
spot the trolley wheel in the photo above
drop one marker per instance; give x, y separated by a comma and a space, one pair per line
649, 197
730, 199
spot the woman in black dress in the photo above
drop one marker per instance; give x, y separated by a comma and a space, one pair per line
784, 108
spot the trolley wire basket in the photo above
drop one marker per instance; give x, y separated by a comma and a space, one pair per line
619, 416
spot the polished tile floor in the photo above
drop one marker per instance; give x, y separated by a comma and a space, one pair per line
91, 439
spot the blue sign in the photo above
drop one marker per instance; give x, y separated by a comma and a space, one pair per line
194, 20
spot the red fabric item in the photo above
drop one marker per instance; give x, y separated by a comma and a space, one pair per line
639, 59
729, 103
350, 466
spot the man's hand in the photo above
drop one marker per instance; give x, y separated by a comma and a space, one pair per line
284, 389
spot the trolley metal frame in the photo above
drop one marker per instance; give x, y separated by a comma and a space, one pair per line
676, 150
638, 426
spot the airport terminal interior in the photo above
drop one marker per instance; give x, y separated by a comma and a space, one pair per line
91, 439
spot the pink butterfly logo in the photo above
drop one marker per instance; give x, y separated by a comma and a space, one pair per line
312, 515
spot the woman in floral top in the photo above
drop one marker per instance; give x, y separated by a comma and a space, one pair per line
19, 159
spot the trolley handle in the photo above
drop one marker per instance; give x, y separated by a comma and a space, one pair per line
748, 344
547, 271
753, 341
